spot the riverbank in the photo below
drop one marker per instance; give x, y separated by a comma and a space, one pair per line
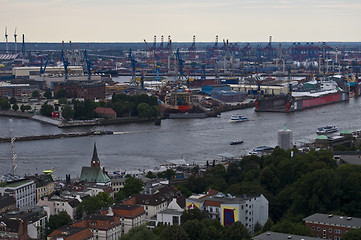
103, 122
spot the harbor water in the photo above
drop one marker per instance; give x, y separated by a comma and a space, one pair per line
145, 145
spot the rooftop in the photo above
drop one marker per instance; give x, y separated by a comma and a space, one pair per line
281, 236
334, 219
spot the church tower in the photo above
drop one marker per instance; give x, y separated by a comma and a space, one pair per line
95, 160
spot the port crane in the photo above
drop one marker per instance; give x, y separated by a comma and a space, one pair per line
133, 64
65, 63
42, 70
88, 64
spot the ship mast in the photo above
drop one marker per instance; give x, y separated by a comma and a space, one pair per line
12, 148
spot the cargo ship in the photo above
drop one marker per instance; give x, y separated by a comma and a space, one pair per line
299, 101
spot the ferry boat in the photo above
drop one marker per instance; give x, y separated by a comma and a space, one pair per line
327, 129
238, 118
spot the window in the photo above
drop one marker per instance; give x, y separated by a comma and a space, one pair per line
313, 227
318, 229
330, 230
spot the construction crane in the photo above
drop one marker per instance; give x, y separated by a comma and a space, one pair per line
16, 47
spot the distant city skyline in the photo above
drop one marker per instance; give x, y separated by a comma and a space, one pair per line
133, 21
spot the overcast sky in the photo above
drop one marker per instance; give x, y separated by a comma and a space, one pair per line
135, 20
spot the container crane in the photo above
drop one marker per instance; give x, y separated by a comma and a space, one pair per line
42, 70
65, 63
6, 40
16, 47
88, 64
133, 64
23, 46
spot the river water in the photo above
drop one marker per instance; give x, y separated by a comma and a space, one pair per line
144, 145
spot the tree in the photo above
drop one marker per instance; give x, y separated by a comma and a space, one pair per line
131, 186
101, 200
15, 107
168, 174
4, 104
46, 109
289, 227
267, 226
354, 234
193, 228
48, 94
67, 112
35, 94
192, 214
174, 232
144, 110
57, 221
13, 100
22, 107
139, 233
236, 231
61, 93
151, 175
211, 229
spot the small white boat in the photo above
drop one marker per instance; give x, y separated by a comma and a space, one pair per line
238, 118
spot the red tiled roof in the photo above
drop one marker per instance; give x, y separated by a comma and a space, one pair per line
103, 110
212, 203
71, 233
128, 211
211, 192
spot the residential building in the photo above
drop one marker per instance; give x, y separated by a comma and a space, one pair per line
94, 189
117, 183
7, 203
56, 204
35, 217
248, 209
129, 215
44, 185
71, 233
24, 192
281, 236
14, 229
103, 227
329, 226
171, 215
94, 174
156, 202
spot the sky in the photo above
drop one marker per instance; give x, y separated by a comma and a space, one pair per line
135, 20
